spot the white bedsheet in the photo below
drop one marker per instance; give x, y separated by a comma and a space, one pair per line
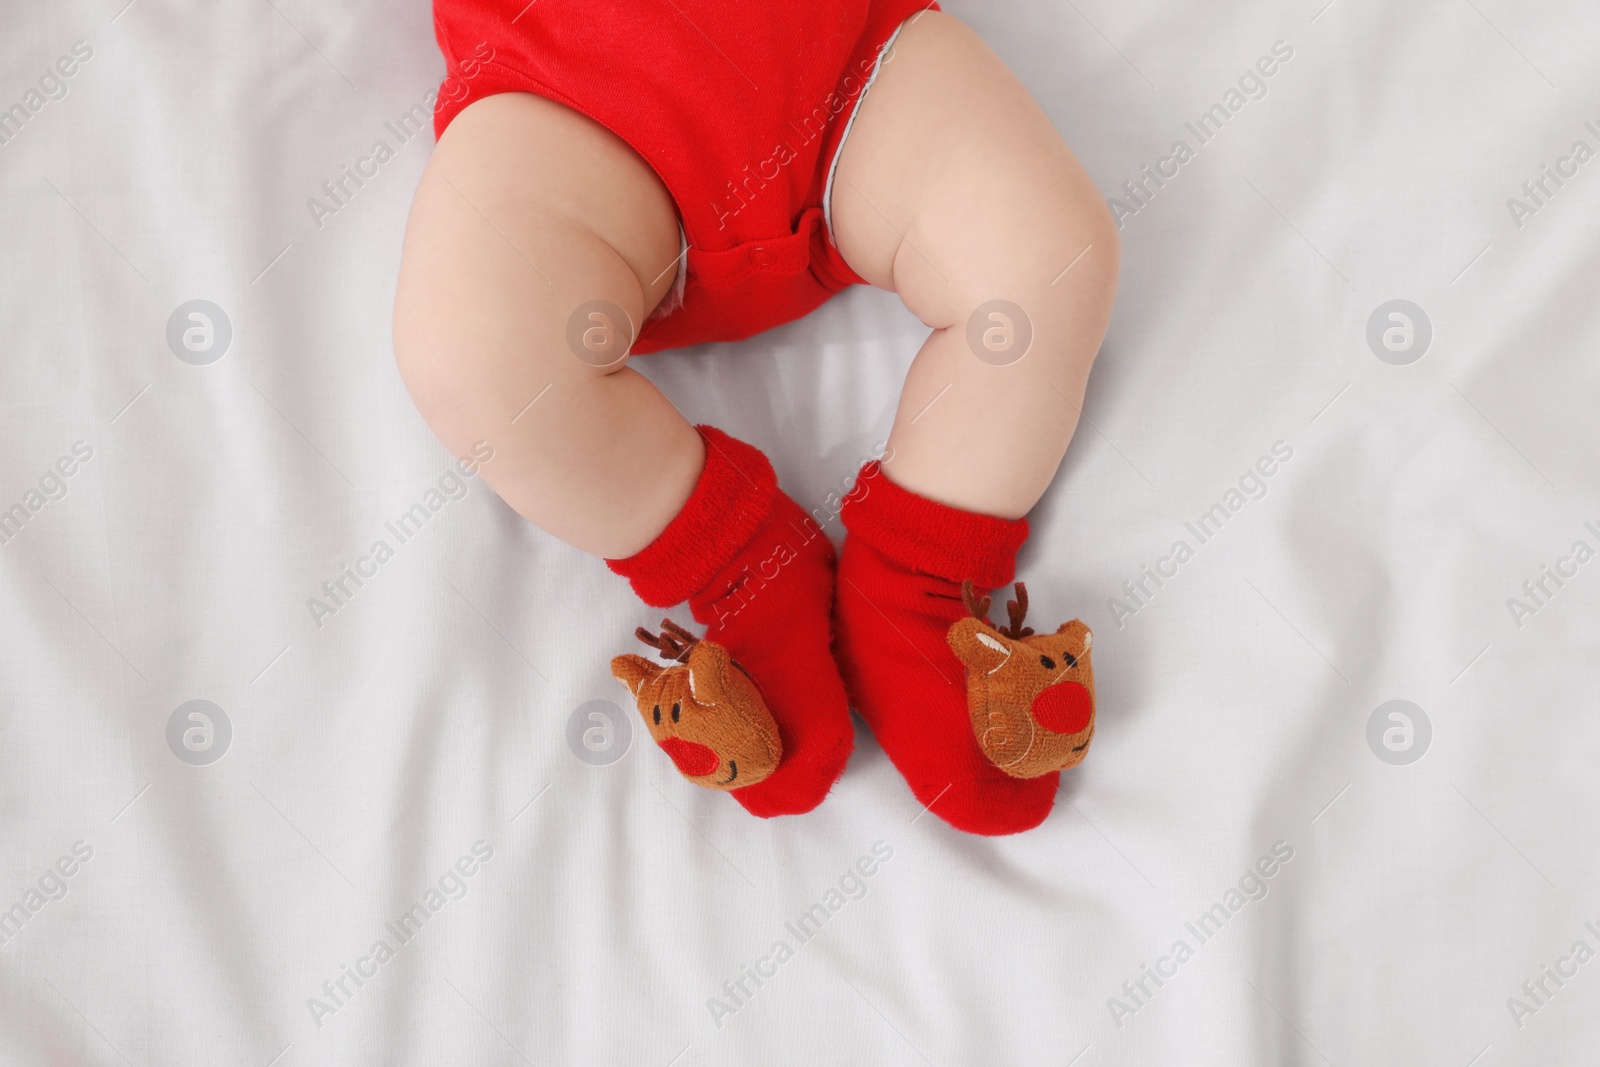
424, 723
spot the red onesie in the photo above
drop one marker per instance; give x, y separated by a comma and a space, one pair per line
739, 106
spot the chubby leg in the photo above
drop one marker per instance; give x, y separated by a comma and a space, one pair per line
954, 191
526, 212
529, 212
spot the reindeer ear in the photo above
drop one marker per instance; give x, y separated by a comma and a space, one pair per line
709, 664
976, 645
1079, 629
633, 671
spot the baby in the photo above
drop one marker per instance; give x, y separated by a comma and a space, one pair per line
621, 177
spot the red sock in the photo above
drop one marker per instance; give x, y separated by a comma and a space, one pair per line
899, 593
758, 573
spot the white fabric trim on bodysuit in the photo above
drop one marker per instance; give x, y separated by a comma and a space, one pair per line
674, 300
833, 165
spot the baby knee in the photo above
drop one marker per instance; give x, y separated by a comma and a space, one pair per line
1049, 294
1081, 296
1074, 259
473, 348
431, 367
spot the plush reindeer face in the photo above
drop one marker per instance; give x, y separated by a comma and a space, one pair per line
703, 710
1031, 696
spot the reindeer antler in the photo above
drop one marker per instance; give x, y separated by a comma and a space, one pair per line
979, 606
674, 643
1016, 609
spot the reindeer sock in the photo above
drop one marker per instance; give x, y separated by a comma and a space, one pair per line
758, 573
900, 591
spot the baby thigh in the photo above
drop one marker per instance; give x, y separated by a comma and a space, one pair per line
537, 245
954, 190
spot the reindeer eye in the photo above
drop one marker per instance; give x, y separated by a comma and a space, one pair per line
1049, 664
675, 711
658, 714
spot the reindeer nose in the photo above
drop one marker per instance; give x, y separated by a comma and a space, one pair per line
693, 759
1063, 708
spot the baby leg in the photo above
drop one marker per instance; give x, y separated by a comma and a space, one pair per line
526, 212
954, 191
527, 216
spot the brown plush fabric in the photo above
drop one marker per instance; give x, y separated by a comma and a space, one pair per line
703, 710
1031, 696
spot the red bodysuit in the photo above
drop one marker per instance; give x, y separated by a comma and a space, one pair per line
740, 108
